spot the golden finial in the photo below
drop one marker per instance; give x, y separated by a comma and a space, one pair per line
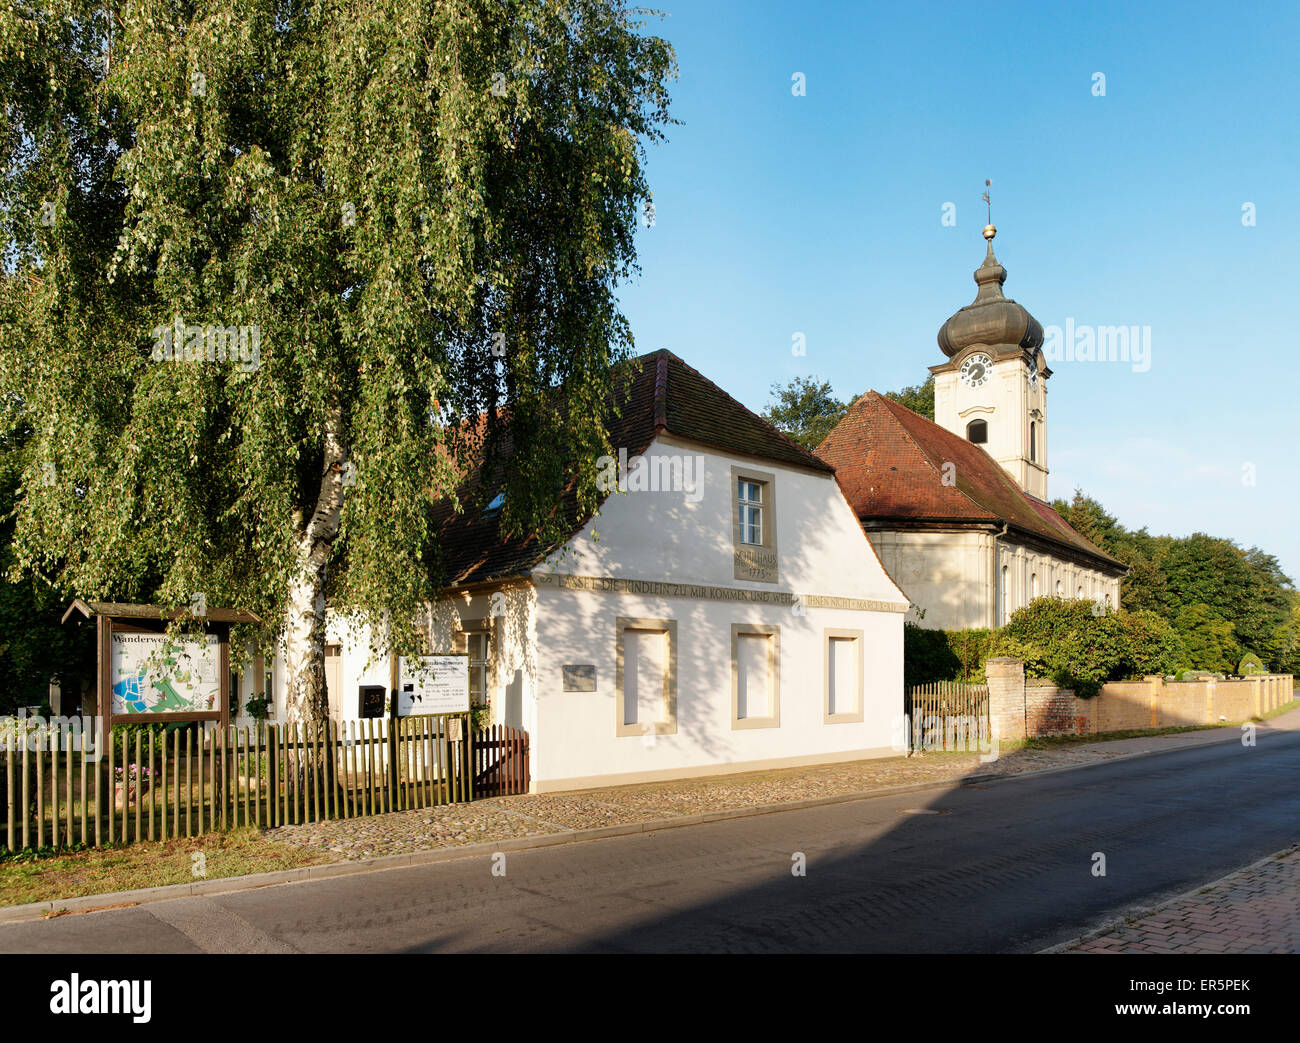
989, 230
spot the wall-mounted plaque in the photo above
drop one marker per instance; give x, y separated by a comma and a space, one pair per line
580, 678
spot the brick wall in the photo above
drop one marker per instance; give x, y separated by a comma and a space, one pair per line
1020, 706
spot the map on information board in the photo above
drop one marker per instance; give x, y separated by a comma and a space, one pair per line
432, 684
155, 673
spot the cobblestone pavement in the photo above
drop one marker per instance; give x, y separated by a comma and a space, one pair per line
1255, 910
500, 818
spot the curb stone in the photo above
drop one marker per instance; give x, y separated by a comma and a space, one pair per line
256, 881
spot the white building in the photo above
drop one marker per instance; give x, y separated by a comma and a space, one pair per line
722, 611
957, 508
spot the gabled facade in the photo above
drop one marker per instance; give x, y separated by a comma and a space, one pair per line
721, 611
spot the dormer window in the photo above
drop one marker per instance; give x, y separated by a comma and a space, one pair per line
977, 431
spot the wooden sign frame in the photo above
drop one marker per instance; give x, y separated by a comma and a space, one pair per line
108, 626
116, 617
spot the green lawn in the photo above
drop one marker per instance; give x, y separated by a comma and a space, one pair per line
25, 878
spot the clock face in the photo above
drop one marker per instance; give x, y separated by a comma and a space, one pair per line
975, 370
1033, 373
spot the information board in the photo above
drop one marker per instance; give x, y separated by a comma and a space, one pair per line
432, 684
155, 673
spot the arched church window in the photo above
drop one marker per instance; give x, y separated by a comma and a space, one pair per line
1033, 586
977, 431
1033, 441
1004, 610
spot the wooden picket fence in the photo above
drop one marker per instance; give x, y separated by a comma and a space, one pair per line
209, 778
957, 708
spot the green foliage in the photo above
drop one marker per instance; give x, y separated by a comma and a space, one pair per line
1210, 641
1220, 598
128, 732
377, 193
1250, 664
29, 855
1081, 649
944, 655
804, 409
35, 648
258, 708
919, 398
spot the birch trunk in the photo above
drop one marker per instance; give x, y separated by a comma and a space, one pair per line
306, 697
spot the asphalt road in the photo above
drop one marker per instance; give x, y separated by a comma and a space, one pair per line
1002, 867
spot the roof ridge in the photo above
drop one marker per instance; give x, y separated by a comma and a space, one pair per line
812, 457
661, 392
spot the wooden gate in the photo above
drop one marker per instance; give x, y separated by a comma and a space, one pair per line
500, 761
948, 716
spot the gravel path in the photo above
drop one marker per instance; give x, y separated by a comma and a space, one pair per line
500, 818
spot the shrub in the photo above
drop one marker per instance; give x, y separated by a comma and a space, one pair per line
944, 655
1250, 664
1079, 648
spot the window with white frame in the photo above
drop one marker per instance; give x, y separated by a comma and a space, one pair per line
749, 496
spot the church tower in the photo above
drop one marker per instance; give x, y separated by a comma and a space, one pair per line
993, 388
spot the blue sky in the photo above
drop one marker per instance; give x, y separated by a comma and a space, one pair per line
821, 214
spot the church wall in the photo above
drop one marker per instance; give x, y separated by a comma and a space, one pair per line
1056, 577
946, 574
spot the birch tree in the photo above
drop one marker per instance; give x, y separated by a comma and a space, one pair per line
264, 264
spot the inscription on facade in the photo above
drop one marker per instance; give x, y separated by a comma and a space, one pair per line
756, 563
653, 588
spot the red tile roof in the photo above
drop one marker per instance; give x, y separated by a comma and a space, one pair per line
663, 394
891, 465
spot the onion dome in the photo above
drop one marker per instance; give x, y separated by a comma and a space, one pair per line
991, 319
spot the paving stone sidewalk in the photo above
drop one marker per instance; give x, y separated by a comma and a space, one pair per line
1255, 910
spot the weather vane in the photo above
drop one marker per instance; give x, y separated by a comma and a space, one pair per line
989, 230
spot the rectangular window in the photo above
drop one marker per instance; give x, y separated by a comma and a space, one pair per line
750, 495
755, 676
476, 640
646, 676
843, 677
753, 525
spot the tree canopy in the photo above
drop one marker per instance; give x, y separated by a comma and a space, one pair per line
805, 409
1223, 600
266, 265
